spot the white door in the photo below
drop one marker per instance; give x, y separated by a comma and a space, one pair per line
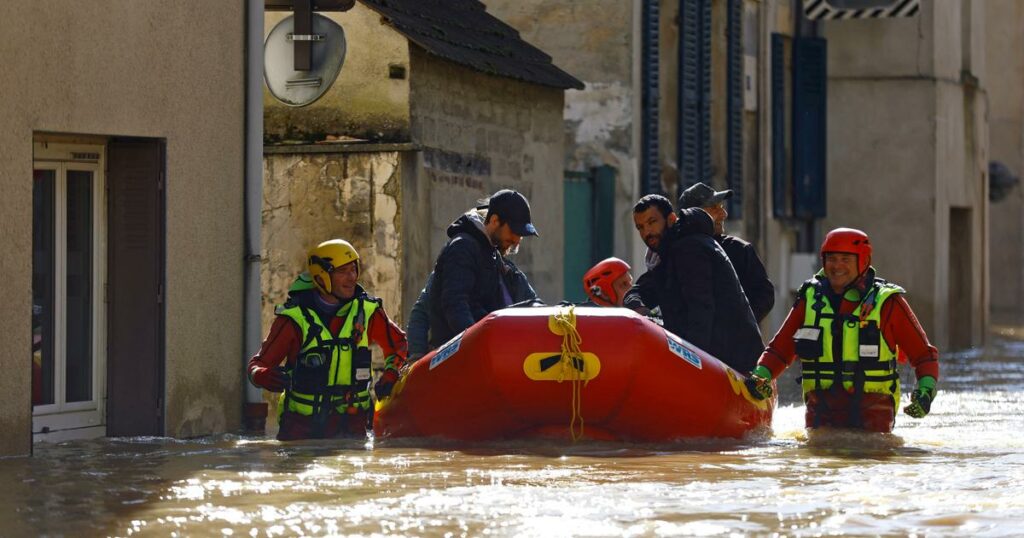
68, 291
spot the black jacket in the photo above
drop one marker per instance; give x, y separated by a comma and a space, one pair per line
467, 281
699, 293
759, 290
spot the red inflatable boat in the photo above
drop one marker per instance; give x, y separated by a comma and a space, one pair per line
594, 373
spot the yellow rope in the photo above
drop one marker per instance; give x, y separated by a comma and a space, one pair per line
564, 323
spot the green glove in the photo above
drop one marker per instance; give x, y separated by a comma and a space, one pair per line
760, 383
921, 398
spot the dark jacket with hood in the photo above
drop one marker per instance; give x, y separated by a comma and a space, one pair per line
699, 293
469, 280
758, 288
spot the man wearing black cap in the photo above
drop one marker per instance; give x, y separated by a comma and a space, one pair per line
471, 278
754, 279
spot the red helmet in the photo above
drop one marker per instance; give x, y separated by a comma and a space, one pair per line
597, 282
849, 240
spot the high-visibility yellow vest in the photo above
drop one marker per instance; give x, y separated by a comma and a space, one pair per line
330, 372
850, 349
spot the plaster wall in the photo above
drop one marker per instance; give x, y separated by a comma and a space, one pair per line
871, 118
907, 145
161, 70
364, 102
481, 133
594, 41
1004, 40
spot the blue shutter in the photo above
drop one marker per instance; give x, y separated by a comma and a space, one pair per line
694, 121
734, 108
650, 169
809, 99
779, 179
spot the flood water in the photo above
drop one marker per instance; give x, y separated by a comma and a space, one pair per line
959, 471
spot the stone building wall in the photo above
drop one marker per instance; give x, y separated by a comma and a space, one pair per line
312, 197
1005, 39
595, 42
481, 133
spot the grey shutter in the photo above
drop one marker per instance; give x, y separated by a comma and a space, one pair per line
135, 271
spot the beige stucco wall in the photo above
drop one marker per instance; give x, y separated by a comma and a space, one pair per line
1005, 41
594, 41
364, 101
157, 69
907, 143
506, 133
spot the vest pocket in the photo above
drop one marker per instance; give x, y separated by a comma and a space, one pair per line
808, 342
311, 371
869, 339
361, 359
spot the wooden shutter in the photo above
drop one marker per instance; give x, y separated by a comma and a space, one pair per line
135, 277
809, 134
694, 123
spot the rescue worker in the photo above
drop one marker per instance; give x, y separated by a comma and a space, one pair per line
322, 334
846, 327
759, 290
607, 282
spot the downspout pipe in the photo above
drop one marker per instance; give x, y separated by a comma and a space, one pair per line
254, 409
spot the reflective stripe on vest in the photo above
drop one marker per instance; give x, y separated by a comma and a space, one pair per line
341, 392
872, 368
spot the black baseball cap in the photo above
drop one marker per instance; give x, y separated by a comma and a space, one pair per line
512, 208
702, 195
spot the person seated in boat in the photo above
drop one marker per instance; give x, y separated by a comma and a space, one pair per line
876, 321
418, 329
694, 284
471, 275
759, 290
322, 335
607, 282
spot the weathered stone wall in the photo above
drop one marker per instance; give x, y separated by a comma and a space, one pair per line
364, 102
312, 197
481, 133
594, 41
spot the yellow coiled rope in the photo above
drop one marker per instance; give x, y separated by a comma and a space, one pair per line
572, 365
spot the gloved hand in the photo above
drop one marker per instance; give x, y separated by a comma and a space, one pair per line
272, 379
921, 398
760, 383
385, 382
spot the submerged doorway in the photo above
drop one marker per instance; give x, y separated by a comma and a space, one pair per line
961, 292
97, 289
68, 273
